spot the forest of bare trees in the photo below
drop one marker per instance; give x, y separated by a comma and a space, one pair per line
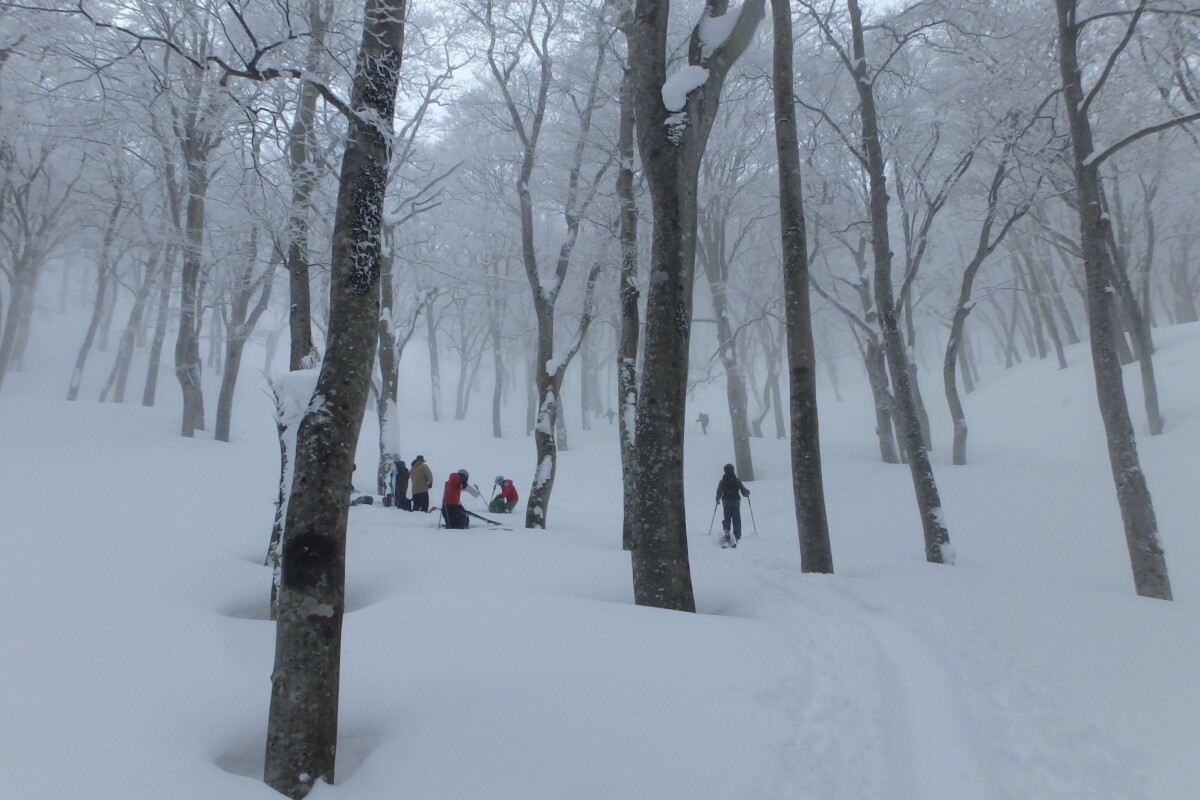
526, 190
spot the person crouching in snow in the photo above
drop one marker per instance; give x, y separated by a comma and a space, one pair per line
730, 491
452, 511
506, 501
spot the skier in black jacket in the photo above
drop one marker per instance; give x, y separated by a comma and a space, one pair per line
730, 491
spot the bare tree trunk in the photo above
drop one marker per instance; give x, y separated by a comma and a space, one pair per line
1139, 332
1035, 317
937, 537
105, 330
627, 347
965, 365
498, 364
160, 328
241, 323
435, 369
671, 142
816, 554
531, 403
187, 344
877, 377
1060, 305
386, 411
303, 169
918, 399
104, 270
1043, 307
302, 729
119, 376
549, 432
1133, 495
716, 270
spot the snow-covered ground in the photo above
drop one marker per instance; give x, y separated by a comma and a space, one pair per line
513, 664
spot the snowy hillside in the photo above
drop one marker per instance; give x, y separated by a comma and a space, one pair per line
513, 664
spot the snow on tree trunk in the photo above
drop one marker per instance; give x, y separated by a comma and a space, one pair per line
627, 346
303, 170
671, 143
302, 727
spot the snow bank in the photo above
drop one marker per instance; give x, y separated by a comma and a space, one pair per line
513, 664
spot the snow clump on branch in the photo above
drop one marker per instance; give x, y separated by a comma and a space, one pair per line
715, 31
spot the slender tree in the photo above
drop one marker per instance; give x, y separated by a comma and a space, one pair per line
816, 554
1133, 495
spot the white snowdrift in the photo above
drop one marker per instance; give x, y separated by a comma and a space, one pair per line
497, 664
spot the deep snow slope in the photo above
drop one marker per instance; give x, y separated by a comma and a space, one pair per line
512, 664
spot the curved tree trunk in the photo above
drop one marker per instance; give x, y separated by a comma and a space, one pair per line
119, 377
103, 273
937, 538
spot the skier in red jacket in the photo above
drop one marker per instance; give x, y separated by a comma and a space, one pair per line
506, 501
452, 511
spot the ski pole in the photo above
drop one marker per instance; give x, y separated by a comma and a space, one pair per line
714, 519
752, 522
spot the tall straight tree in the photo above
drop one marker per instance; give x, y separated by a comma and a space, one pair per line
302, 730
808, 489
627, 348
304, 170
1133, 495
674, 118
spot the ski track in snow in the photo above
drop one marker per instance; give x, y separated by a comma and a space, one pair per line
947, 725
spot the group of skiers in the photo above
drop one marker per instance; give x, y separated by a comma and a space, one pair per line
420, 477
730, 491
